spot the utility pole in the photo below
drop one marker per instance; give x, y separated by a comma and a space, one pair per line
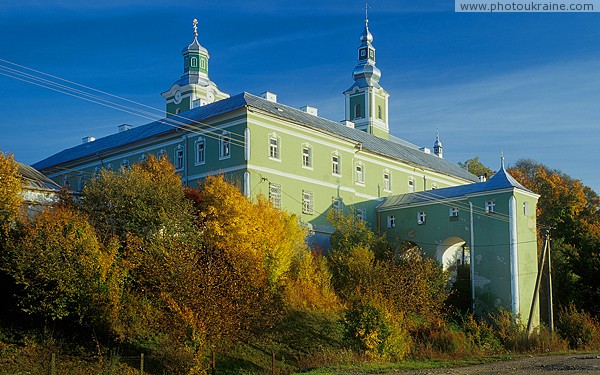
550, 303
536, 292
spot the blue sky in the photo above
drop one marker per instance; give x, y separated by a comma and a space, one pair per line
527, 85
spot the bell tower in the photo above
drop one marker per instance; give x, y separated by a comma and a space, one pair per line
366, 100
194, 88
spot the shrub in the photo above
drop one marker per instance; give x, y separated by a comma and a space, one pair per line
579, 328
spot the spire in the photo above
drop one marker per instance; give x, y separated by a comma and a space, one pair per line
437, 146
195, 23
502, 160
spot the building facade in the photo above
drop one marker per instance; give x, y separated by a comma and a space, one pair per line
303, 163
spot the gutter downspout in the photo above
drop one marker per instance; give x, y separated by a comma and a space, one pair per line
185, 158
514, 255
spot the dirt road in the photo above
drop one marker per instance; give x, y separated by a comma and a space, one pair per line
572, 364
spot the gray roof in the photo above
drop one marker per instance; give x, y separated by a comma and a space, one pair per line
501, 180
33, 179
395, 150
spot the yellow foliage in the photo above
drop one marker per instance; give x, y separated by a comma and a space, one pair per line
10, 187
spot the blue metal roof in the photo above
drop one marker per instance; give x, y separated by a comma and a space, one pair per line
395, 150
501, 180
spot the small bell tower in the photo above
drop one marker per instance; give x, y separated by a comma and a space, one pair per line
366, 100
437, 146
194, 88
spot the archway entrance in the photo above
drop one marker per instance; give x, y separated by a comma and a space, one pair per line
454, 256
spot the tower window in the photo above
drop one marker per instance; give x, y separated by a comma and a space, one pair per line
202, 64
194, 62
200, 151
224, 146
379, 112
357, 111
526, 208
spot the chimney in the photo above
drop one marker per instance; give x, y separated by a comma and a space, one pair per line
269, 96
310, 110
87, 139
348, 123
124, 127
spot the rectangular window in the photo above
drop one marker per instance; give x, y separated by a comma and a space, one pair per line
411, 185
307, 157
360, 178
307, 202
490, 206
200, 152
526, 208
336, 203
275, 194
361, 214
387, 182
179, 158
225, 147
453, 213
335, 164
421, 217
274, 147
391, 221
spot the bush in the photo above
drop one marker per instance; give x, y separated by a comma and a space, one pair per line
579, 328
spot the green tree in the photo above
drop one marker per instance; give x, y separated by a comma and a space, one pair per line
476, 167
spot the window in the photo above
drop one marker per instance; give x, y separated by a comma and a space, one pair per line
109, 168
200, 151
274, 146
453, 213
335, 164
275, 194
81, 182
387, 181
307, 202
202, 64
336, 203
143, 158
490, 206
361, 214
379, 112
411, 185
65, 181
97, 173
357, 111
363, 53
421, 217
224, 146
434, 186
360, 177
391, 221
161, 154
306, 156
178, 157
177, 111
194, 62
125, 165
526, 208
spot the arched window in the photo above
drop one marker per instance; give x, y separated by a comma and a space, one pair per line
357, 111
224, 145
194, 62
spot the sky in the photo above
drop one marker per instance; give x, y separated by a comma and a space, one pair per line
523, 84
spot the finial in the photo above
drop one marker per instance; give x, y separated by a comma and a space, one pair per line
195, 23
366, 13
502, 159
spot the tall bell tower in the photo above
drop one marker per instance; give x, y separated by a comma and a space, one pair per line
366, 100
194, 88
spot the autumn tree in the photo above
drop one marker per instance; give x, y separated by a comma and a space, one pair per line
10, 187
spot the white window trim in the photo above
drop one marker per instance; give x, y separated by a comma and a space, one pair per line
421, 217
178, 150
193, 62
490, 206
361, 214
161, 153
198, 142
337, 203
307, 202
360, 181
387, 183
275, 198
306, 146
277, 139
411, 184
222, 155
339, 164
391, 221
453, 212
